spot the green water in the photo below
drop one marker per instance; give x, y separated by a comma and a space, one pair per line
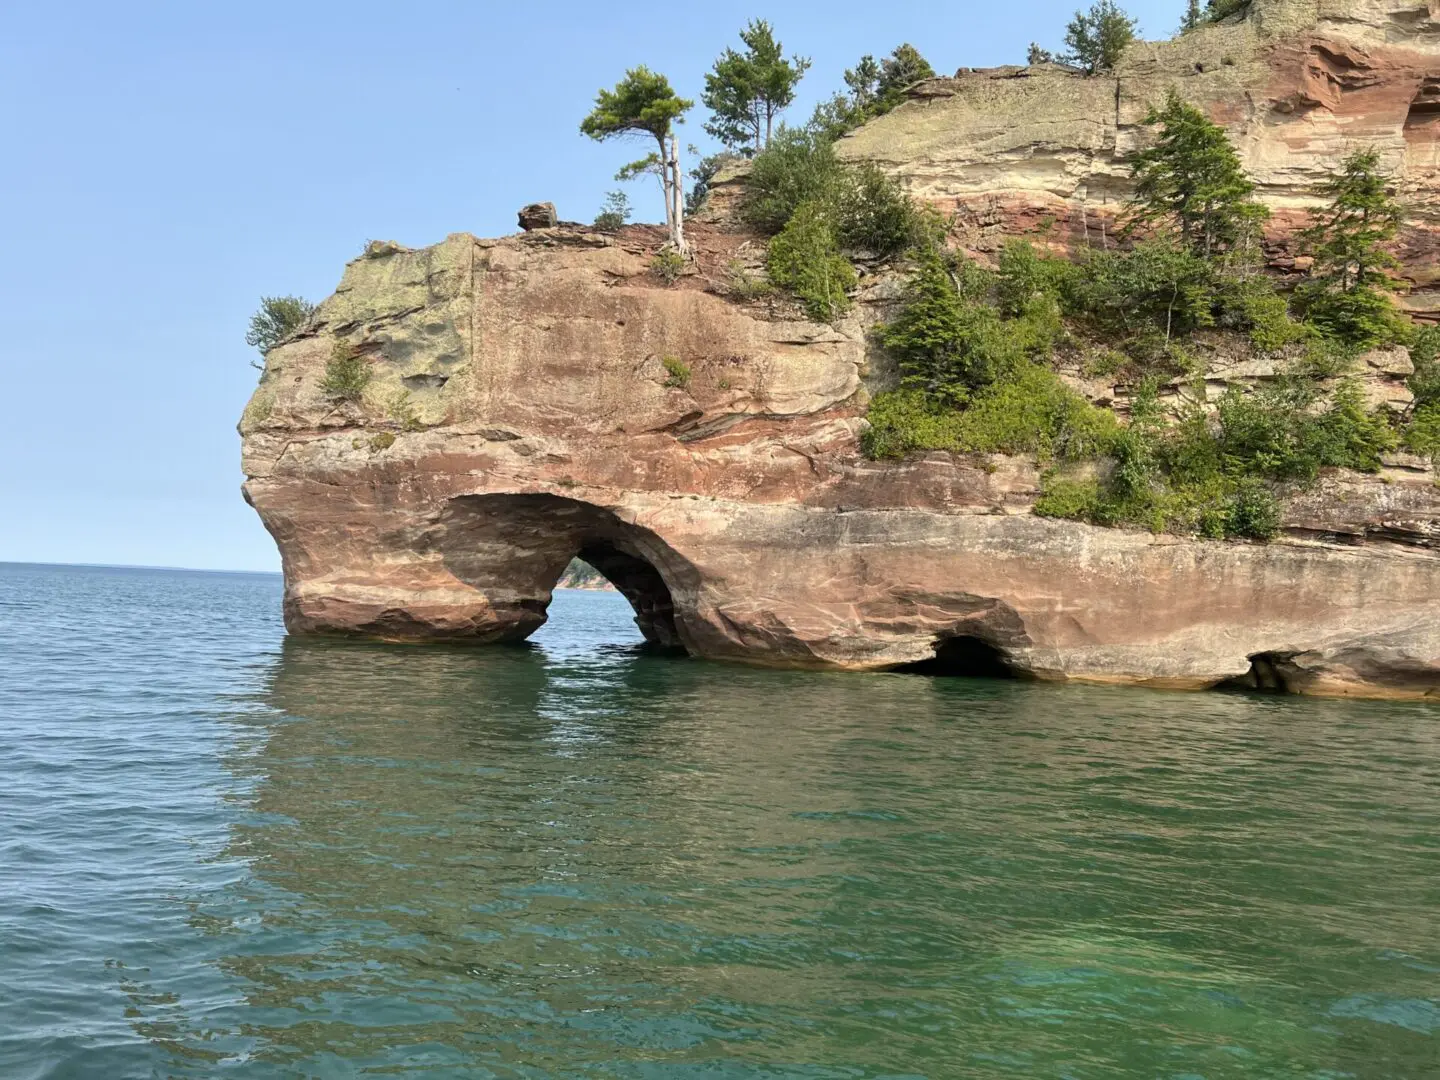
226, 854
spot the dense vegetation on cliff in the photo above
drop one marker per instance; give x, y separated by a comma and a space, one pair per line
979, 351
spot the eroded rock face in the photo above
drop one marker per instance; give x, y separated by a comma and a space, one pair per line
1040, 151
544, 396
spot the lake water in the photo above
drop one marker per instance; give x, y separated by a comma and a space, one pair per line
223, 853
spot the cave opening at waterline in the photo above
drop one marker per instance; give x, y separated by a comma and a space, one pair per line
518, 548
963, 656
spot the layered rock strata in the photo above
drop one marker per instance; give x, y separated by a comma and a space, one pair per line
545, 396
1299, 84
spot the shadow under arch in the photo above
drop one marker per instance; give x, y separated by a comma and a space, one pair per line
514, 548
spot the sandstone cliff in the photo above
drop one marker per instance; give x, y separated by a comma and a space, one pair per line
522, 411
1039, 151
545, 396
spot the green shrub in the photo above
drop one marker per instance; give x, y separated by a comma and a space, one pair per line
1363, 318
1076, 500
1254, 512
277, 319
805, 259
1282, 432
1025, 275
743, 285
1425, 353
1250, 303
1159, 286
346, 373
798, 166
1029, 411
905, 421
873, 214
677, 370
1422, 435
615, 213
668, 264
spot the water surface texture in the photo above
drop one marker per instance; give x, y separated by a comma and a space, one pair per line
223, 853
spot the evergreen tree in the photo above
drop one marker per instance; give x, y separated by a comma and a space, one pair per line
1037, 55
644, 104
900, 70
1346, 296
1215, 10
931, 338
1191, 181
1098, 38
1193, 17
1346, 234
745, 91
864, 82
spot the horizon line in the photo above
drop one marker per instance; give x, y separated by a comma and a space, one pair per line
134, 566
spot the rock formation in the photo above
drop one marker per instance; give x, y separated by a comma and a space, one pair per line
1040, 151
546, 396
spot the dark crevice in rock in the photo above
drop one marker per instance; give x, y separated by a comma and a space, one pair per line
425, 382
1270, 673
963, 657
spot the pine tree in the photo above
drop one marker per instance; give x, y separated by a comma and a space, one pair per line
644, 104
1346, 234
1193, 17
1037, 55
900, 70
1347, 296
1191, 181
1098, 38
746, 91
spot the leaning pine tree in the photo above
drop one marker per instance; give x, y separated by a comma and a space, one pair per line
644, 104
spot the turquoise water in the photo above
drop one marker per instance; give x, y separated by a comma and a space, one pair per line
223, 853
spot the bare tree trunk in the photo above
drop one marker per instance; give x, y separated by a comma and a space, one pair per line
677, 196
665, 188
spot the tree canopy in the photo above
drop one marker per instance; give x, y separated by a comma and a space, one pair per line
1346, 234
642, 103
746, 91
1098, 38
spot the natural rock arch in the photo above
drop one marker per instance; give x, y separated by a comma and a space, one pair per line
515, 547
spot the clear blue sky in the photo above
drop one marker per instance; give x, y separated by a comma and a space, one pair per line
166, 164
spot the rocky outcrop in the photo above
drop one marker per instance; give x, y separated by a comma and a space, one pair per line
1040, 151
545, 396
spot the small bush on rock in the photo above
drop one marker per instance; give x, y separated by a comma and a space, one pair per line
668, 264
346, 374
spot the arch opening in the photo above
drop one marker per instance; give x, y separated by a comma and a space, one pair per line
963, 656
515, 547
641, 584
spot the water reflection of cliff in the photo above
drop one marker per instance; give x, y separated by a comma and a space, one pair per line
576, 863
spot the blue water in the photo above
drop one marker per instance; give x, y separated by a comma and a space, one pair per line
223, 853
